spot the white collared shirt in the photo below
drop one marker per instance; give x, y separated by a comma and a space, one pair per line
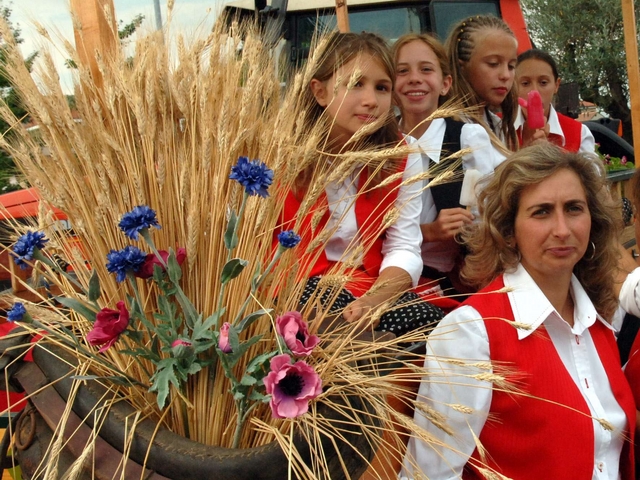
587, 142
483, 157
462, 335
630, 293
401, 245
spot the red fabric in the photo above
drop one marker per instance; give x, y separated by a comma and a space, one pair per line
572, 130
370, 209
530, 438
632, 370
14, 400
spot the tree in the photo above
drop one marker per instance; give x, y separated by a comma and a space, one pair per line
8, 168
586, 38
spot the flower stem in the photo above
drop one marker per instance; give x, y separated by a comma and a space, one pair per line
38, 255
229, 250
257, 284
239, 423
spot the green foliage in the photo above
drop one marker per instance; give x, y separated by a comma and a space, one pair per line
126, 30
8, 168
586, 37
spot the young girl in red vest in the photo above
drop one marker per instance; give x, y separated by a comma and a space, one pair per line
350, 91
483, 53
557, 405
423, 82
537, 70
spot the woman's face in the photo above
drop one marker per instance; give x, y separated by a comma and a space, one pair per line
358, 93
534, 74
419, 79
491, 68
552, 226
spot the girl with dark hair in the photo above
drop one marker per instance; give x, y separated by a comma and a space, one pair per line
537, 70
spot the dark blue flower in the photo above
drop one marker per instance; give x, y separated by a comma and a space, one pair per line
16, 313
253, 175
129, 259
288, 239
133, 222
25, 246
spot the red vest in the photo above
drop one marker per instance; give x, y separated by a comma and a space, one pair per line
528, 438
370, 208
572, 130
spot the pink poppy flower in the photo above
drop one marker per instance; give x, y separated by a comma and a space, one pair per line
295, 332
108, 326
146, 270
223, 338
291, 386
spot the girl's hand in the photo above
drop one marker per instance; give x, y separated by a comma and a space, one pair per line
358, 308
447, 225
529, 136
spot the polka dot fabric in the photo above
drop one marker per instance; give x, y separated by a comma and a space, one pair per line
407, 313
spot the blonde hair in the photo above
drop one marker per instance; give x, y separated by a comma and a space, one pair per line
434, 44
460, 46
491, 242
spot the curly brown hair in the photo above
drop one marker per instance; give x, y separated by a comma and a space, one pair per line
492, 250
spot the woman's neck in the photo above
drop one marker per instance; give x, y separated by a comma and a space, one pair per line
557, 289
414, 125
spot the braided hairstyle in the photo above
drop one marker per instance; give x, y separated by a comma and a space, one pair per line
460, 46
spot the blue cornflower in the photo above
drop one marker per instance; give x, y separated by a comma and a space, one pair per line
253, 175
133, 222
288, 239
129, 259
24, 247
16, 313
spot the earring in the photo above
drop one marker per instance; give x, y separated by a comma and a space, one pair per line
593, 254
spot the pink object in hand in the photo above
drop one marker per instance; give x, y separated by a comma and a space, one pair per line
535, 110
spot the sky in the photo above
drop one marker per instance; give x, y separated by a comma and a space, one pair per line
188, 16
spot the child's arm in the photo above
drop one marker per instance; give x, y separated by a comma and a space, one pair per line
392, 282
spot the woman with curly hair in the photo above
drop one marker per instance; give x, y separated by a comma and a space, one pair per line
555, 403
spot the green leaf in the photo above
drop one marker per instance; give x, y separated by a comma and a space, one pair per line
78, 306
160, 380
239, 349
252, 317
238, 395
173, 267
259, 361
194, 368
259, 397
94, 286
232, 269
135, 335
202, 330
230, 236
248, 380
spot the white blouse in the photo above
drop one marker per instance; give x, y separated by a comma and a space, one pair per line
630, 293
401, 245
462, 335
483, 158
587, 142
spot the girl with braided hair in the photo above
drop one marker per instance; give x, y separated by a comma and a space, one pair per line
483, 55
